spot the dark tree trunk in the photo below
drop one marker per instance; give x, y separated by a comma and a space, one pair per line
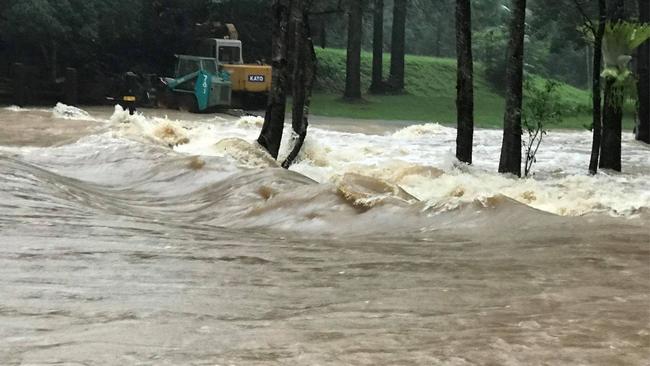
610, 149
353, 68
438, 43
304, 69
376, 86
323, 35
396, 79
510, 161
465, 81
271, 135
610, 152
643, 70
597, 121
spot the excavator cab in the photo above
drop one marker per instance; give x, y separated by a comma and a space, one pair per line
227, 51
249, 81
198, 84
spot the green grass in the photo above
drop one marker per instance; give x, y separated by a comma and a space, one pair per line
430, 94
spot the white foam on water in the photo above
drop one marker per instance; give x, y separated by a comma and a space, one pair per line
69, 112
560, 185
420, 159
250, 121
14, 108
419, 131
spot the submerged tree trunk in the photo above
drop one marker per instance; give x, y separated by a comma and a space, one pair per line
396, 79
376, 86
304, 70
271, 135
465, 81
596, 99
643, 70
353, 67
510, 161
610, 149
610, 152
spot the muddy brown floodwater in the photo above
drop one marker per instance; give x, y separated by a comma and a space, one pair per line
117, 249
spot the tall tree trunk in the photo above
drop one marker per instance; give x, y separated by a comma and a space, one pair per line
589, 59
610, 152
353, 68
643, 70
271, 134
304, 70
376, 86
510, 161
396, 79
596, 98
437, 51
610, 149
323, 34
465, 81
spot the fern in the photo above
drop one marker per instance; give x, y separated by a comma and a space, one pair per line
620, 40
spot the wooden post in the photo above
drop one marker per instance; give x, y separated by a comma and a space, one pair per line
70, 89
20, 84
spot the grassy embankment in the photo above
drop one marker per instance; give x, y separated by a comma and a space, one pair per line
430, 94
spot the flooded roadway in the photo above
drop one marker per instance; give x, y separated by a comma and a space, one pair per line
117, 250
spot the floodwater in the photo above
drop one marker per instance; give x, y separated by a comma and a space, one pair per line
153, 240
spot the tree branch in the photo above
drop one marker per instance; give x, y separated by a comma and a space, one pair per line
587, 19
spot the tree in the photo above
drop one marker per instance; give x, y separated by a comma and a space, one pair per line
353, 64
643, 70
465, 82
540, 111
510, 161
620, 41
610, 149
271, 134
396, 79
377, 84
304, 72
48, 26
596, 89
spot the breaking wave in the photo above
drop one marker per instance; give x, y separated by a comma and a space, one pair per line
69, 112
214, 173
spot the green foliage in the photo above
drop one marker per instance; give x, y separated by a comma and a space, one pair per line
431, 94
32, 20
489, 47
621, 39
110, 36
542, 108
619, 43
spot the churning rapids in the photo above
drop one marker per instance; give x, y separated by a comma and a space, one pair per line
133, 240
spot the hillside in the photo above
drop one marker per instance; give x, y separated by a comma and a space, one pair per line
430, 93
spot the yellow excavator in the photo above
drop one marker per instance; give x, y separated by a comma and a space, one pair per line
251, 83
